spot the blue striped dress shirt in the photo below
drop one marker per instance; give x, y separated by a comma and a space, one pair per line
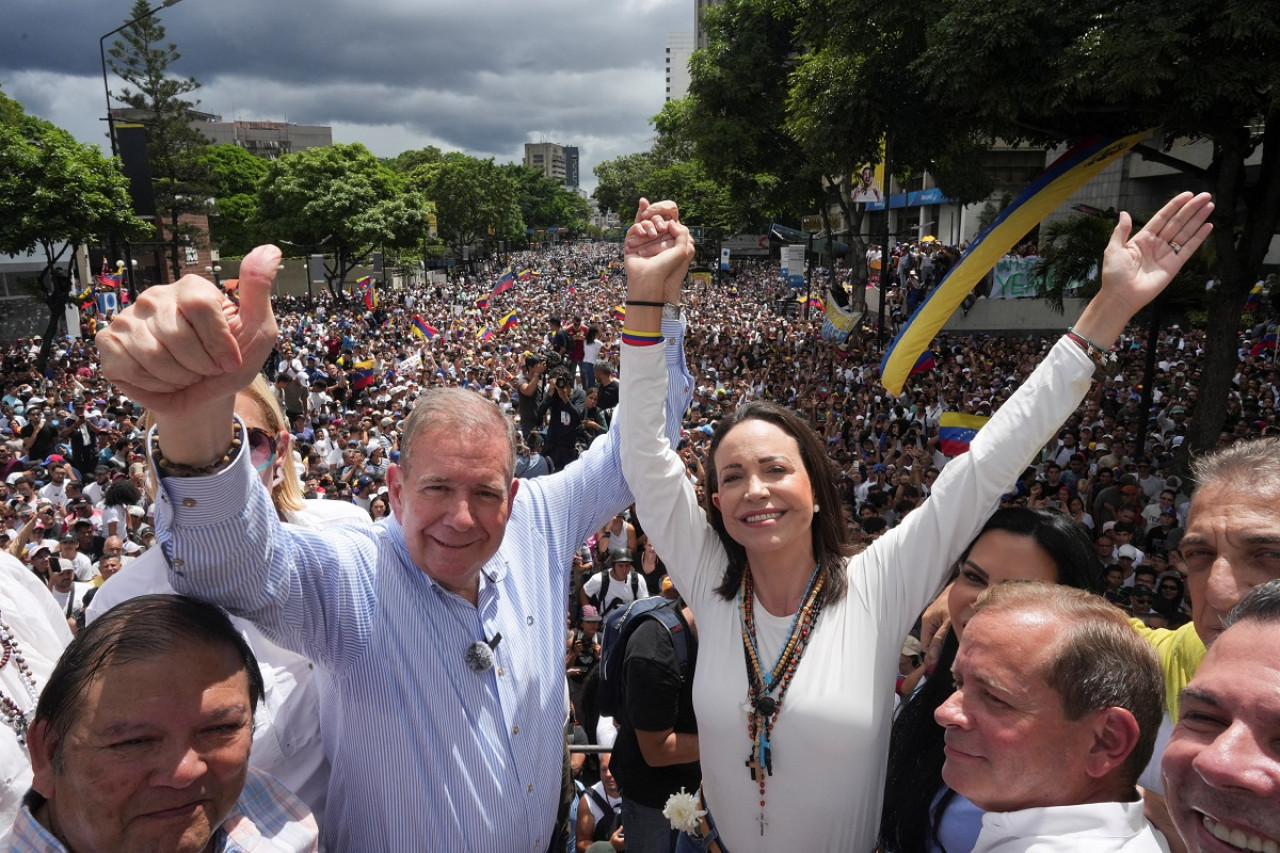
426, 753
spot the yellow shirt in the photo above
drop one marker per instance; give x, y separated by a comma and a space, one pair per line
1180, 652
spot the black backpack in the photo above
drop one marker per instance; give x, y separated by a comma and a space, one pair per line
611, 693
603, 595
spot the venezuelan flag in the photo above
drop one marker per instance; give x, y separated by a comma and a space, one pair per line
482, 302
814, 302
956, 430
505, 283
508, 320
1054, 185
423, 329
367, 292
1268, 342
111, 279
926, 362
619, 313
363, 374
485, 334
525, 275
1254, 301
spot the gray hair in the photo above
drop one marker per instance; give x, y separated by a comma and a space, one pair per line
1252, 465
460, 412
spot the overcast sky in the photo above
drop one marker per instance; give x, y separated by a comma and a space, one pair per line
483, 77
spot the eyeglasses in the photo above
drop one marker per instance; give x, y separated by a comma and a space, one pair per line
262, 448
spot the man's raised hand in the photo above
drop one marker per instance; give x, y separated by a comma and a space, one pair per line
184, 346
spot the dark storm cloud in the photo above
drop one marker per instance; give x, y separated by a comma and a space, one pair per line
483, 77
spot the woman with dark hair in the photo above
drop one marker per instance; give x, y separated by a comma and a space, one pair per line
1016, 544
116, 501
803, 637
1168, 599
591, 347
378, 508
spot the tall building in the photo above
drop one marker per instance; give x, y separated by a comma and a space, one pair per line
549, 159
571, 167
699, 34
679, 50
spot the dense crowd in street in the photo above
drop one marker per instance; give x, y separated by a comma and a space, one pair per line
541, 338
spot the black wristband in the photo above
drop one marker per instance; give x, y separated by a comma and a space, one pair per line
645, 303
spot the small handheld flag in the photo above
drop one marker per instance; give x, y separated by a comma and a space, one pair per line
423, 329
956, 430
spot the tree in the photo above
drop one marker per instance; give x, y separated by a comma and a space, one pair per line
55, 194
406, 161
234, 178
544, 202
339, 197
618, 181
475, 200
1194, 69
140, 57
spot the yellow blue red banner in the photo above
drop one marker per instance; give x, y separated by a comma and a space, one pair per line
1055, 184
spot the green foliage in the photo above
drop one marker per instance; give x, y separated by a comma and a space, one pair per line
141, 58
55, 194
1196, 70
406, 161
545, 203
340, 200
736, 116
234, 178
1070, 254
475, 200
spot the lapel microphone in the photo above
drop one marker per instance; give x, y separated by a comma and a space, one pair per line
479, 655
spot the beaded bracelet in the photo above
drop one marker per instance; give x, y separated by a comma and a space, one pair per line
175, 469
646, 303
640, 339
1104, 361
1081, 339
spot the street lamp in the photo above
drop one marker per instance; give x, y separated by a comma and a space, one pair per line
214, 271
111, 125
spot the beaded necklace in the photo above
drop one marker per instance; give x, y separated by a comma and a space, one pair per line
761, 707
10, 712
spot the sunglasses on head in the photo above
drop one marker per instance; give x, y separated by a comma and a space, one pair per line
262, 448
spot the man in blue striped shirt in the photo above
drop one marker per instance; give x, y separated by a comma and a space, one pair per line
430, 749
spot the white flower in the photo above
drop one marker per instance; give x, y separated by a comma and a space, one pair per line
683, 812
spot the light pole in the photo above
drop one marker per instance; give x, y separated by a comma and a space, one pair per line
111, 124
214, 271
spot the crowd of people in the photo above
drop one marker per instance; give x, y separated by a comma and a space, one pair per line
349, 393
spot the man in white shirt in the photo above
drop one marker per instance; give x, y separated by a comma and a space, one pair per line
1055, 715
67, 592
617, 586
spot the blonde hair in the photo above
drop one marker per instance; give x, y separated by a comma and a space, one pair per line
286, 495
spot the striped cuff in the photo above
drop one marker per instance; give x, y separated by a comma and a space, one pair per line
640, 339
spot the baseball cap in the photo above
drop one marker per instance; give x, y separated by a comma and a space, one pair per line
590, 614
1127, 551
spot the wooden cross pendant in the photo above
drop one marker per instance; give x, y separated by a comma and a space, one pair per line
757, 769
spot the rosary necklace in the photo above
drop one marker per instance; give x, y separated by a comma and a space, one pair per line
766, 689
10, 712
